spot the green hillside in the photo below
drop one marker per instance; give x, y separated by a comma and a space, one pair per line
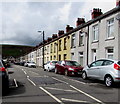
14, 50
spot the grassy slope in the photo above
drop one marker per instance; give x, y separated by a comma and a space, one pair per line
14, 50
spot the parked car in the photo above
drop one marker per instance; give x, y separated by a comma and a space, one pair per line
50, 66
31, 64
6, 63
68, 68
4, 77
26, 63
106, 70
22, 63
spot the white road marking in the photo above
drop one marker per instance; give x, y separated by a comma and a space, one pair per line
74, 80
87, 94
59, 80
16, 85
31, 81
72, 100
25, 72
46, 76
51, 95
60, 89
27, 76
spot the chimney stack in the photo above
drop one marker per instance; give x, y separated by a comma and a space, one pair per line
60, 32
68, 28
54, 36
117, 3
96, 12
45, 41
49, 39
80, 21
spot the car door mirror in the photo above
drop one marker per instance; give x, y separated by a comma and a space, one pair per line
63, 64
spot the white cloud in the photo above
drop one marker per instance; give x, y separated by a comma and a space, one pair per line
22, 20
64, 12
105, 5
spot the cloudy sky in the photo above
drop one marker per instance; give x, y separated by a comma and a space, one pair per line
21, 20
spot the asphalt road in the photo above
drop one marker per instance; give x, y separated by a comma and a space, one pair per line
33, 85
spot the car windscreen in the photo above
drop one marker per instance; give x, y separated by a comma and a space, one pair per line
118, 62
54, 62
72, 63
1, 64
31, 62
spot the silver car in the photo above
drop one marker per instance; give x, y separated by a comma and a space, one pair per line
106, 70
50, 66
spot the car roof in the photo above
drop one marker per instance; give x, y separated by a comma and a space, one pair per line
107, 59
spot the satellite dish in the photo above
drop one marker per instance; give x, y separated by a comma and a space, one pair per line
118, 17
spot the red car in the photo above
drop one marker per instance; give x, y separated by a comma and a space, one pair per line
68, 68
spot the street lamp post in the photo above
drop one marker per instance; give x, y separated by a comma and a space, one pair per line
43, 46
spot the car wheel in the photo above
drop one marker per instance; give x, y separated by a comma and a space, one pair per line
66, 72
56, 71
108, 81
48, 69
84, 75
44, 69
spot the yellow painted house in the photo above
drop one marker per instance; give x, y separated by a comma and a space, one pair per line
60, 46
54, 48
64, 48
64, 45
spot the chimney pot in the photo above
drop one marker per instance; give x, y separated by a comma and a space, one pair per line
54, 36
96, 12
68, 28
80, 21
49, 39
60, 32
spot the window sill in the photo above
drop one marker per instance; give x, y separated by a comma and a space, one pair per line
81, 45
110, 38
73, 47
95, 41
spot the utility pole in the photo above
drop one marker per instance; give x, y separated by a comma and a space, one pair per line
43, 46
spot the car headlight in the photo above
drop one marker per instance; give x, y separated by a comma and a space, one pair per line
71, 69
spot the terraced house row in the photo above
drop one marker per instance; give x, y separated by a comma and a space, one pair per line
88, 41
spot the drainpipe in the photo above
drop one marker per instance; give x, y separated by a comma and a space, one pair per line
88, 45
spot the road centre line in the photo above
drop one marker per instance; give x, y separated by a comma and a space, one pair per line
74, 80
16, 85
60, 89
72, 100
31, 81
59, 80
25, 72
55, 98
86, 94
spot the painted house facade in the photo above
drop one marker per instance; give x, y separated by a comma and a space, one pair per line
88, 41
104, 36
